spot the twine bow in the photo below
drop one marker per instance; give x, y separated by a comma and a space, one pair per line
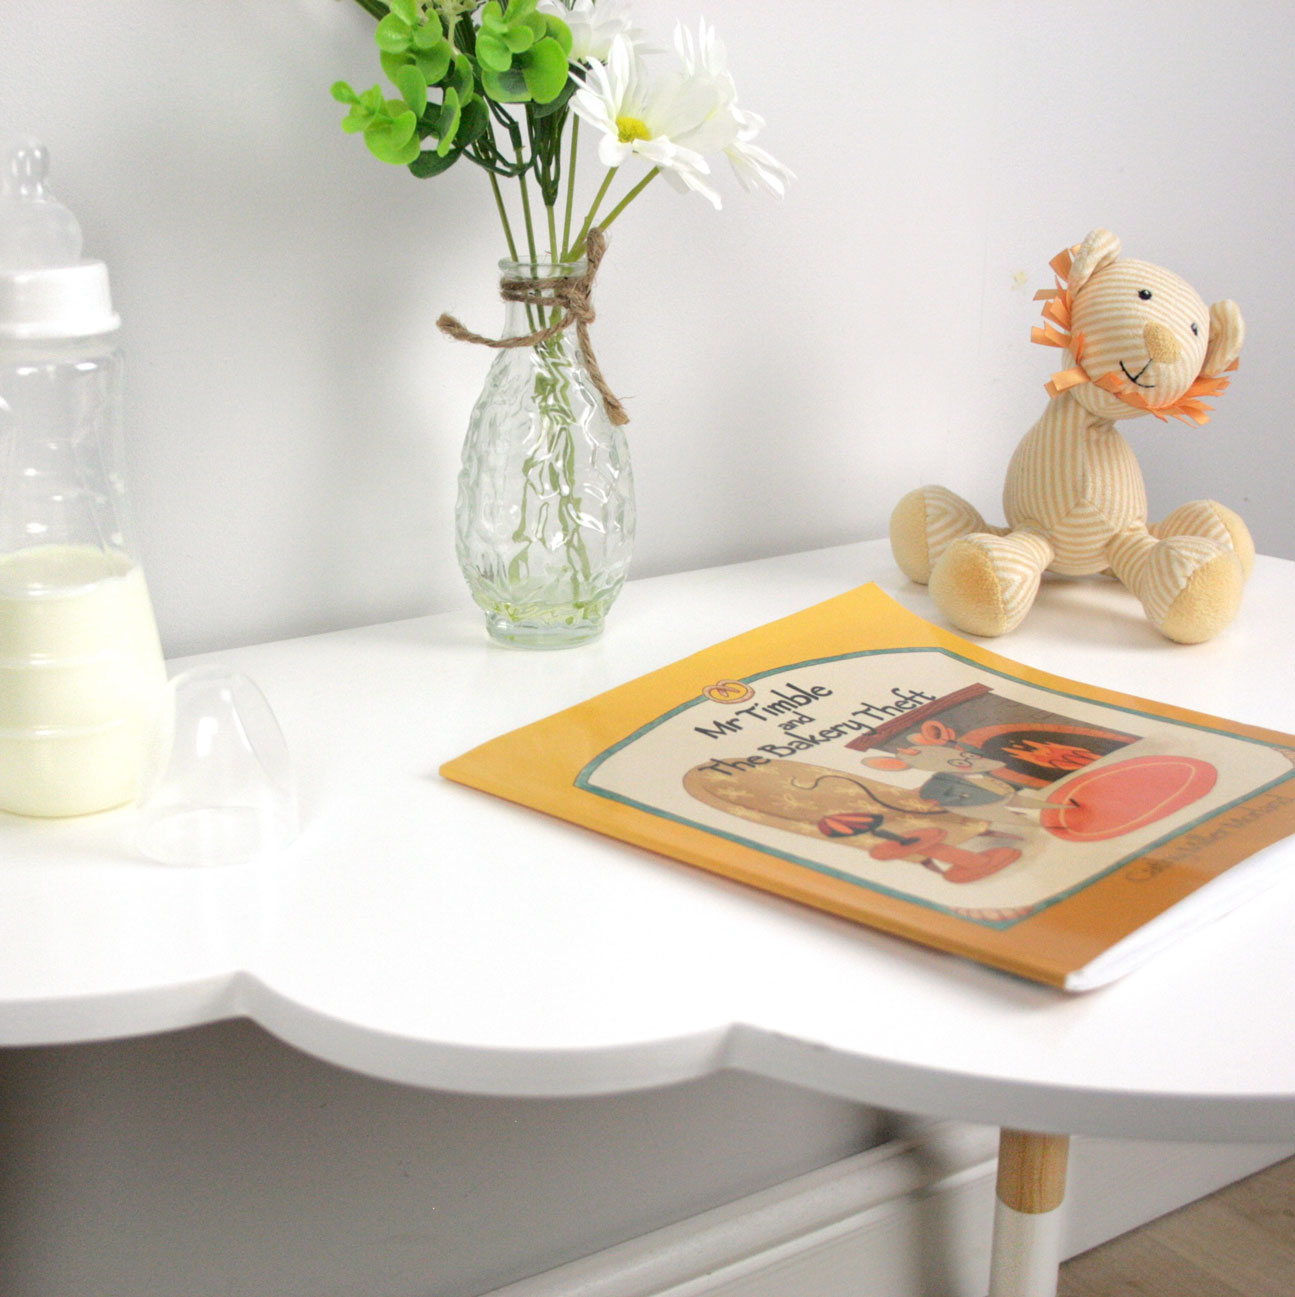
573, 295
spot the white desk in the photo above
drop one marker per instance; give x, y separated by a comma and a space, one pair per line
427, 933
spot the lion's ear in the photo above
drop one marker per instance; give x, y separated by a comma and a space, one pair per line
1227, 333
1099, 249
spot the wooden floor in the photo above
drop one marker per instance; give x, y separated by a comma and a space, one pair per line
1238, 1243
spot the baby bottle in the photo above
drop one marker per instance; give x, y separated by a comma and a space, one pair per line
80, 663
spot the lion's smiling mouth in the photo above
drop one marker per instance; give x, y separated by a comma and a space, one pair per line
1133, 378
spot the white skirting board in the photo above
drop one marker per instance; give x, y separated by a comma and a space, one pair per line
911, 1216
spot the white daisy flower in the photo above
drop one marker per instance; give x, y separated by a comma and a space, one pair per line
669, 124
753, 166
594, 25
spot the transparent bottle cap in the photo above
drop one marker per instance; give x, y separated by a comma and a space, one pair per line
216, 786
46, 289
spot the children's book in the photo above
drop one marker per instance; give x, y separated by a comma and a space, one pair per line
859, 759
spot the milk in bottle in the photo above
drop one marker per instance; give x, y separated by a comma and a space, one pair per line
80, 662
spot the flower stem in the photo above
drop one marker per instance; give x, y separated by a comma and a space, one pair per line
579, 249
503, 215
554, 248
631, 196
555, 255
530, 225
571, 181
572, 253
526, 203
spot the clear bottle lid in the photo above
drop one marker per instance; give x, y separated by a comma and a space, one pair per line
47, 290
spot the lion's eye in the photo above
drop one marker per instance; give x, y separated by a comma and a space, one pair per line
1194, 328
1144, 294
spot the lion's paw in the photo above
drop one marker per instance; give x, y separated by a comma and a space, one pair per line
1207, 601
924, 524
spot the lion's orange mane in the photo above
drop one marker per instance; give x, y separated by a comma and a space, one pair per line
1057, 332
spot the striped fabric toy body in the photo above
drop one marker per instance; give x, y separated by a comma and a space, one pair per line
1138, 340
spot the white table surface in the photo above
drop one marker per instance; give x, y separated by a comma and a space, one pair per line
427, 933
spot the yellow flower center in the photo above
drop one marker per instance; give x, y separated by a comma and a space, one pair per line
631, 129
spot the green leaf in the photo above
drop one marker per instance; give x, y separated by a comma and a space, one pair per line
519, 39
492, 52
434, 62
403, 123
448, 123
506, 87
539, 110
372, 99
343, 93
405, 9
356, 120
406, 155
559, 31
474, 123
393, 141
545, 71
537, 26
429, 34
429, 163
392, 63
460, 78
393, 34
413, 89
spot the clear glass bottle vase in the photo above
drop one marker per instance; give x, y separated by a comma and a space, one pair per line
545, 514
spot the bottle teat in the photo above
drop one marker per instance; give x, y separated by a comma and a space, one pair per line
46, 290
36, 231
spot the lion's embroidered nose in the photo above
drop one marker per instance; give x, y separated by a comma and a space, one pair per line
1162, 346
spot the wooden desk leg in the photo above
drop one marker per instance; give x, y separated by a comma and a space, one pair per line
1027, 1214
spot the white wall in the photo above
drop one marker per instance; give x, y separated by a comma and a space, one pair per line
791, 368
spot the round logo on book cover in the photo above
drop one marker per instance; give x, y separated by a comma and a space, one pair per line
728, 691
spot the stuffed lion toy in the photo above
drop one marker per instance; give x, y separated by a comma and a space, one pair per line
1138, 340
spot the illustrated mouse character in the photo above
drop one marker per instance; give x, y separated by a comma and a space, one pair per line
1085, 805
963, 779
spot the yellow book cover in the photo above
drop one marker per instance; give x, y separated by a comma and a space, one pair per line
857, 758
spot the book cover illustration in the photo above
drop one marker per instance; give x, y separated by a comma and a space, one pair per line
909, 772
908, 779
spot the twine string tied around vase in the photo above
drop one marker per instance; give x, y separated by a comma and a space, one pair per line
573, 296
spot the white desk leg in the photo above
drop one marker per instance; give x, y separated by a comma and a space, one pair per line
1027, 1214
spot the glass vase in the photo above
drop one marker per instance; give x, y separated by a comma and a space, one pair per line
545, 513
